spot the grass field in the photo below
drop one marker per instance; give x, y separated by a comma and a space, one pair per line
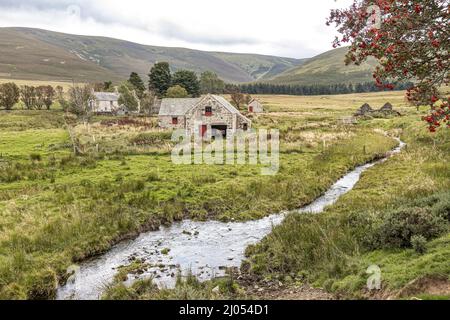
57, 208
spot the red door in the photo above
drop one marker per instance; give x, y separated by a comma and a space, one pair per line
203, 130
251, 109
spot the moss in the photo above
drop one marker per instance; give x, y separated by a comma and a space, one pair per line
165, 251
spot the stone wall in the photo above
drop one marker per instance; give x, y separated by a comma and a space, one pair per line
196, 117
257, 107
105, 106
220, 116
166, 122
241, 122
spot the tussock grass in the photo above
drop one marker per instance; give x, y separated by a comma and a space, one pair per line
186, 288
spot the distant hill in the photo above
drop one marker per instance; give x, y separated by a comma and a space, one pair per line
36, 54
327, 68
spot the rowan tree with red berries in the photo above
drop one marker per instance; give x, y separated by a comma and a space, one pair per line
411, 42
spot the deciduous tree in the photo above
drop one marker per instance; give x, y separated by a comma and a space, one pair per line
49, 96
148, 102
40, 97
237, 98
9, 95
61, 98
98, 86
177, 92
211, 83
28, 96
78, 103
248, 98
128, 97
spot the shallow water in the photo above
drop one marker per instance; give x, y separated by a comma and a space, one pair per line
205, 248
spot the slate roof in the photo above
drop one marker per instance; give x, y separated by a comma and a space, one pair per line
177, 107
106, 96
224, 102
254, 100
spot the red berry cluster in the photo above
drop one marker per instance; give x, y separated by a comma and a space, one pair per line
439, 116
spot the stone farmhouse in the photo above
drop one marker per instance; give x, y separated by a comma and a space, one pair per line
255, 107
104, 102
202, 115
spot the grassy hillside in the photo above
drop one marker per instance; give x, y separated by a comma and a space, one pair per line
34, 54
260, 67
327, 68
23, 56
44, 55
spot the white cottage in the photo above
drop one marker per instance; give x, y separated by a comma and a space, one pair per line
255, 107
104, 102
201, 115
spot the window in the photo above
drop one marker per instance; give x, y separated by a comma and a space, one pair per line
245, 127
208, 111
174, 120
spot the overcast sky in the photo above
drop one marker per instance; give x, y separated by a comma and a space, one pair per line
291, 28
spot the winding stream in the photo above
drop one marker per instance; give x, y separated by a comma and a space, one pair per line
205, 248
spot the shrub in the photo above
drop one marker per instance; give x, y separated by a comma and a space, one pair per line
442, 209
119, 292
419, 244
35, 157
151, 138
88, 162
153, 176
131, 186
67, 160
439, 202
398, 227
10, 174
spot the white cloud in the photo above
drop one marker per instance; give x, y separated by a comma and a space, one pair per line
294, 28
